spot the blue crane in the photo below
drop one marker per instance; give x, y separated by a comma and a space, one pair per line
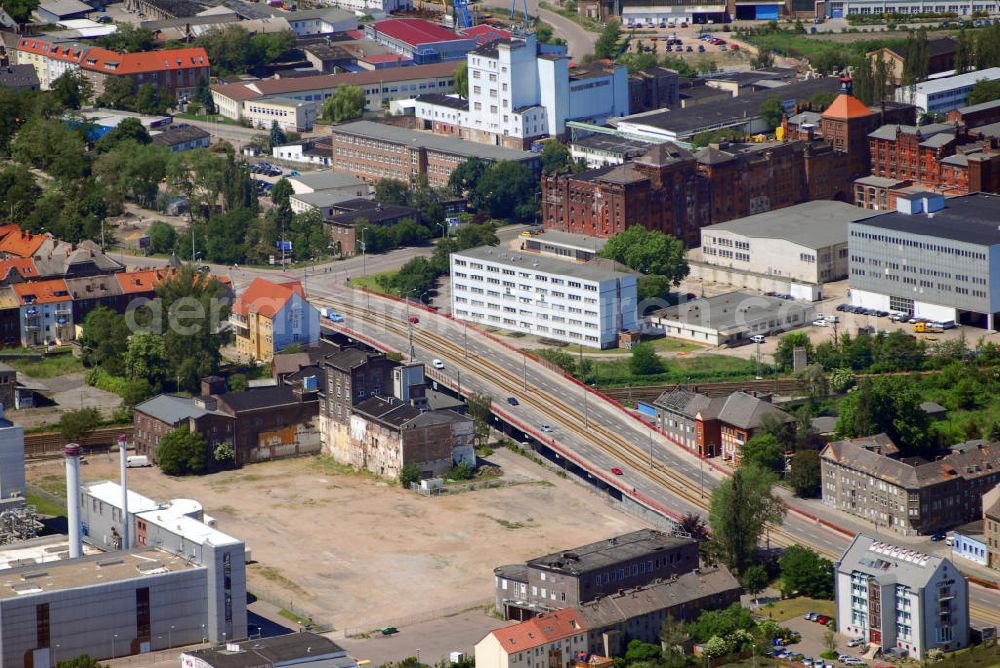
513, 11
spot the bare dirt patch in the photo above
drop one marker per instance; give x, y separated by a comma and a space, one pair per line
355, 551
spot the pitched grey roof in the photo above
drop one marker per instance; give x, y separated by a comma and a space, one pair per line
888, 563
683, 401
607, 552
631, 603
275, 650
170, 409
327, 179
417, 138
179, 134
748, 412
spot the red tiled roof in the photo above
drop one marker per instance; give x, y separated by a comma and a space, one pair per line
22, 244
105, 60
50, 50
484, 34
845, 107
142, 281
266, 298
415, 31
384, 58
24, 266
42, 292
539, 630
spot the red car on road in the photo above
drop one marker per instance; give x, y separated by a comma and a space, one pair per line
617, 471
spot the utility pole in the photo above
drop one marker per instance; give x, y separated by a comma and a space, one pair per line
466, 337
586, 416
650, 448
524, 376
364, 266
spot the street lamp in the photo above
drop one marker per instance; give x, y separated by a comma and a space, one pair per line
114, 651
444, 229
364, 265
170, 637
407, 298
422, 296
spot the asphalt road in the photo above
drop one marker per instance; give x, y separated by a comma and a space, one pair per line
579, 42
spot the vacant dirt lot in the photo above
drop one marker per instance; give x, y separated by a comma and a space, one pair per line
356, 552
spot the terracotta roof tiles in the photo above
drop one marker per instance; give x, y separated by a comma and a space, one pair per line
105, 60
266, 298
845, 107
539, 630
42, 292
22, 244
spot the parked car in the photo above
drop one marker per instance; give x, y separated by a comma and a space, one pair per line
938, 537
819, 322
842, 307
844, 657
437, 364
512, 401
822, 619
333, 316
811, 616
617, 471
854, 642
853, 661
545, 427
757, 338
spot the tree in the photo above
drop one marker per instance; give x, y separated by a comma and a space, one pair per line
649, 252
644, 360
392, 191
963, 52
986, 90
82, 661
282, 191
916, 62
720, 623
754, 580
772, 112
409, 475
814, 382
653, 286
146, 358
130, 129
695, 526
74, 425
741, 508
820, 100
481, 412
638, 650
119, 93
804, 474
461, 87
347, 104
609, 44
72, 89
830, 640
44, 143
407, 233
555, 156
133, 170
277, 136
18, 192
464, 177
104, 339
890, 405
162, 237
805, 572
783, 354
560, 358
764, 451
763, 60
182, 452
507, 190
128, 39
20, 10
192, 309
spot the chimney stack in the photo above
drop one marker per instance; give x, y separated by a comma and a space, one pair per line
72, 452
123, 456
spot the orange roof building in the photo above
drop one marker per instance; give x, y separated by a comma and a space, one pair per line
22, 244
268, 317
554, 635
46, 312
180, 71
17, 270
144, 281
845, 107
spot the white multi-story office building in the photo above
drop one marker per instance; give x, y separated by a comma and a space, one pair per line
586, 303
931, 258
899, 598
516, 93
838, 9
945, 94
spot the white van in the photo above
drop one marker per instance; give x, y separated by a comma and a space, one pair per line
137, 461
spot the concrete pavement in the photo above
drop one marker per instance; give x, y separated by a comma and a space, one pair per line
579, 42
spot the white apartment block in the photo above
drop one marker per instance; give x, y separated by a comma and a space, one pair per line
944, 94
291, 115
516, 94
899, 598
586, 303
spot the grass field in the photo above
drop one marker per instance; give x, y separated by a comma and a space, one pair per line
616, 372
797, 607
44, 505
372, 282
52, 365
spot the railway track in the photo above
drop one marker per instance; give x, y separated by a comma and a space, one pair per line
604, 439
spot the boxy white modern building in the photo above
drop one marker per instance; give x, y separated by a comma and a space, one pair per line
586, 303
944, 94
932, 258
899, 598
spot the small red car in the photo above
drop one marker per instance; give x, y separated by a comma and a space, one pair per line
617, 471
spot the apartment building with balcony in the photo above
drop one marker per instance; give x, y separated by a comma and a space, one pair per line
899, 598
45, 312
586, 303
268, 317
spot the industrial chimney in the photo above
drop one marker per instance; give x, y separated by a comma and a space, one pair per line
72, 452
123, 456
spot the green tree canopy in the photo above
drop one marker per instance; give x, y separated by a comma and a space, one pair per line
128, 39
765, 451
644, 361
347, 104
461, 87
986, 90
787, 344
741, 508
182, 452
146, 358
162, 237
610, 44
130, 129
282, 191
104, 339
409, 475
804, 475
72, 89
82, 661
805, 572
75, 424
555, 156
649, 252
721, 623
886, 404
772, 111
465, 177
507, 190
18, 193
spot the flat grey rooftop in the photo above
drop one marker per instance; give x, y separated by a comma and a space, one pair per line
570, 240
815, 225
969, 219
594, 270
415, 138
729, 311
608, 552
